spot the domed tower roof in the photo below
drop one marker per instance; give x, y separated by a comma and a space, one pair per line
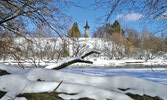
86, 25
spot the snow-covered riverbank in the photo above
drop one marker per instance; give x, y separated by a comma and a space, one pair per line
47, 51
101, 63
80, 85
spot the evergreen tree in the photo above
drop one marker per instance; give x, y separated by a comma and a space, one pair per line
108, 29
74, 31
116, 28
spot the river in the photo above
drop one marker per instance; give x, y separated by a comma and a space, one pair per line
154, 74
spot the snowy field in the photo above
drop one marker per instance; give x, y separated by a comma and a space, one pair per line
155, 74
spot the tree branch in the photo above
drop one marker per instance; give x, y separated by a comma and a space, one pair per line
112, 10
18, 14
72, 61
57, 87
65, 64
89, 53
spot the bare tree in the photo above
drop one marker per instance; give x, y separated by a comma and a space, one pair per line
116, 49
41, 31
100, 32
77, 46
133, 36
153, 9
15, 14
150, 45
18, 18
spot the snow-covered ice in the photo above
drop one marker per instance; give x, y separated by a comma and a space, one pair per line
154, 74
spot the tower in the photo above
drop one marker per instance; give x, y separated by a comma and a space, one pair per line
86, 30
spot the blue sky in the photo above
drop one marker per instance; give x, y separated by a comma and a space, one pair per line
87, 12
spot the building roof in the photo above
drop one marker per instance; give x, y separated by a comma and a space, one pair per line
86, 25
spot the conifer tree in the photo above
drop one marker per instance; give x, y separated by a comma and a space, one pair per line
108, 29
116, 28
74, 31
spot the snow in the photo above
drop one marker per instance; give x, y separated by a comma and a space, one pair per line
61, 62
154, 74
95, 87
10, 68
101, 61
99, 84
123, 63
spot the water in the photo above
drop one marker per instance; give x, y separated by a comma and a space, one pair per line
157, 74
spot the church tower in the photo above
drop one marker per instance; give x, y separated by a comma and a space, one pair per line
86, 30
